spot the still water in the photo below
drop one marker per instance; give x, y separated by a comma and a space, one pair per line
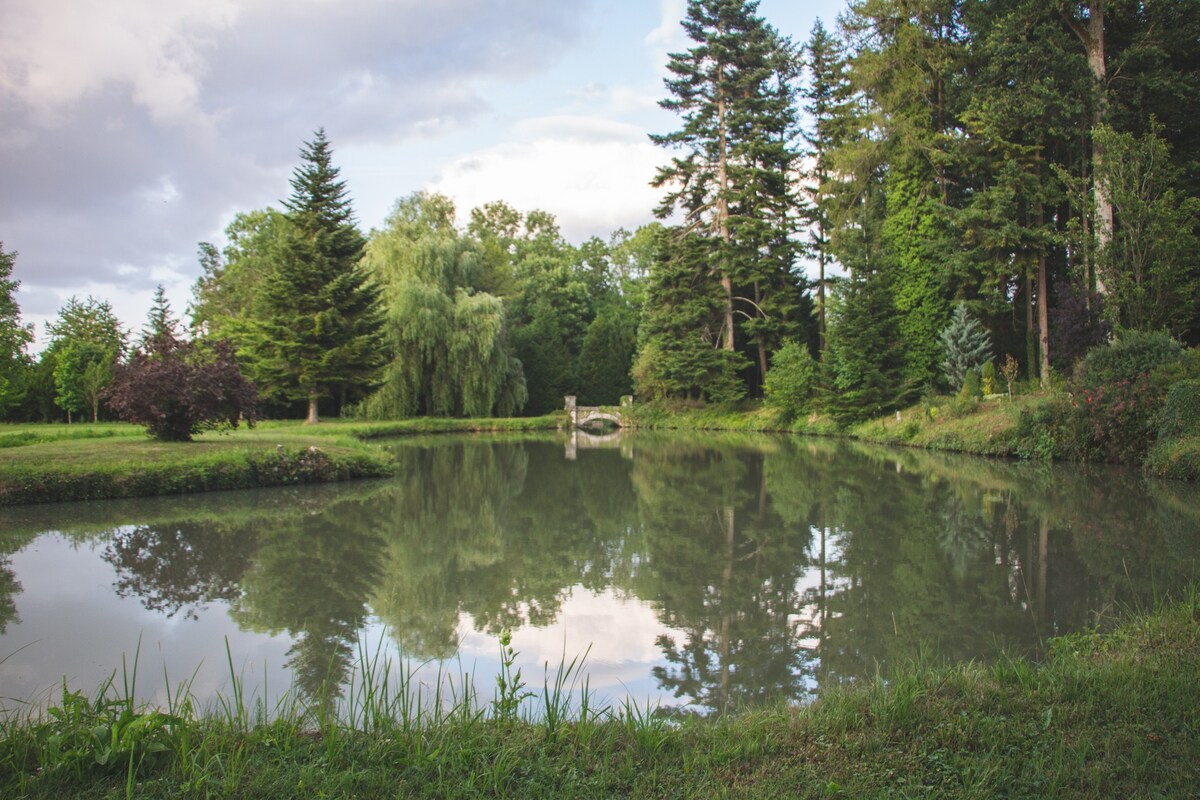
703, 572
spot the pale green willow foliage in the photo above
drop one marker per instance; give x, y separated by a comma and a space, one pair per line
449, 354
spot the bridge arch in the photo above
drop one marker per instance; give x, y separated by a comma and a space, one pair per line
585, 415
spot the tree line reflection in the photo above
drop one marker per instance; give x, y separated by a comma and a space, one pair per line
784, 564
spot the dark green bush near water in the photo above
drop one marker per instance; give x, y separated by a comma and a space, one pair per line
1133, 354
1181, 411
1177, 454
1114, 405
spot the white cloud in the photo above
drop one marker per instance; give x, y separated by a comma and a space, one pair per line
593, 174
55, 52
669, 36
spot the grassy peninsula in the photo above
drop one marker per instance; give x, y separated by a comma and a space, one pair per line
50, 463
1107, 715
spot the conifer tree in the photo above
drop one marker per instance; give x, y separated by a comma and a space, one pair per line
965, 346
317, 326
732, 176
827, 99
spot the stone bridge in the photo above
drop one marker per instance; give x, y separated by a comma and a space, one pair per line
582, 416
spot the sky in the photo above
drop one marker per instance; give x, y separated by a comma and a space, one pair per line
132, 130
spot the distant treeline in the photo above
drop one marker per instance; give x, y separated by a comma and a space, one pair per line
836, 202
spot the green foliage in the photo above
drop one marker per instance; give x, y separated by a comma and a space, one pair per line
15, 337
690, 369
1132, 354
966, 346
606, 357
448, 351
1181, 411
864, 356
972, 385
733, 91
915, 234
1150, 265
792, 382
229, 291
85, 341
680, 334
1177, 459
316, 326
1115, 405
988, 378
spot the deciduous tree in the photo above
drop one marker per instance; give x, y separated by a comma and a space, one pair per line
15, 336
177, 388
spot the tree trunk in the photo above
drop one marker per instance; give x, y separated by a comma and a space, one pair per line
723, 219
1030, 340
1043, 301
762, 341
821, 293
312, 406
1043, 294
1091, 34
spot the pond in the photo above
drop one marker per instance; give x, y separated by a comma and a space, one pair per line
699, 572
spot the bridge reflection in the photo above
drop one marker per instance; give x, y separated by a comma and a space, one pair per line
578, 439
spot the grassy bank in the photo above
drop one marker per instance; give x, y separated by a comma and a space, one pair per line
1108, 715
984, 428
49, 463
1020, 427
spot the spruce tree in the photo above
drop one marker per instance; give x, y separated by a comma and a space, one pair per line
317, 326
828, 105
162, 329
731, 176
965, 346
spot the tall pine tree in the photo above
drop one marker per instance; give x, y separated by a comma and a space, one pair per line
731, 177
317, 327
827, 100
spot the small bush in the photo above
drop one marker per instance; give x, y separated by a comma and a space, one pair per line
181, 389
792, 381
971, 386
1118, 420
988, 378
1117, 396
1048, 430
1178, 459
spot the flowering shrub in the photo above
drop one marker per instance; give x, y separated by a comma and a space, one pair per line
1119, 419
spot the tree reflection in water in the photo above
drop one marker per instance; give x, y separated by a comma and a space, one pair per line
784, 564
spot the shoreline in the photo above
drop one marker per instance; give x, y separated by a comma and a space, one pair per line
1107, 714
55, 463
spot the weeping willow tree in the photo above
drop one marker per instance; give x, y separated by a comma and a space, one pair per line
448, 345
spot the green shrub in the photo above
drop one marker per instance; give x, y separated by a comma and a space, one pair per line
988, 378
971, 385
792, 381
1117, 397
1175, 458
1049, 430
1135, 353
1181, 411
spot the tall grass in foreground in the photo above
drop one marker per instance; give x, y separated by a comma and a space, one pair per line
1107, 715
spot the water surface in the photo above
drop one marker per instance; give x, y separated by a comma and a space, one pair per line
709, 572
